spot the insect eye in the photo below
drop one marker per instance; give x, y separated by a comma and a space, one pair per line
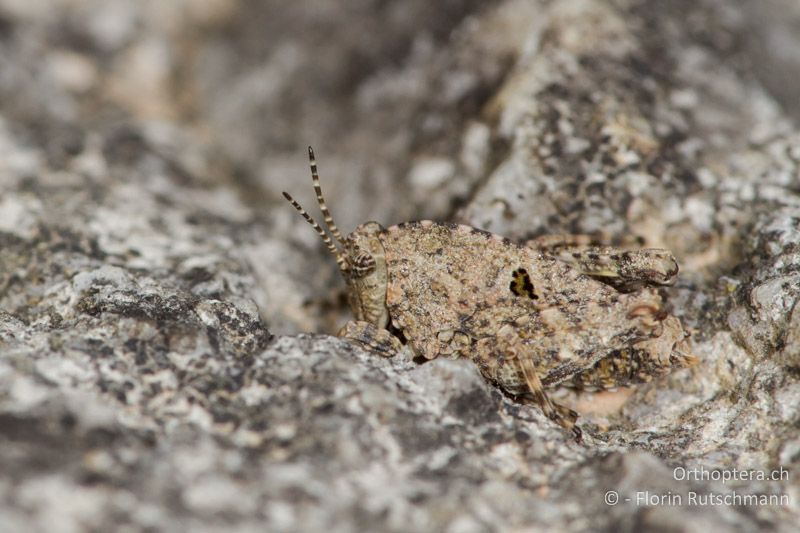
363, 264
521, 284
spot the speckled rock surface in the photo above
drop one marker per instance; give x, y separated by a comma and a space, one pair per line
154, 288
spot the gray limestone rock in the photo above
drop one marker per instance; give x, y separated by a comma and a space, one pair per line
154, 288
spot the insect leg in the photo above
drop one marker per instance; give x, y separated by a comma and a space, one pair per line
517, 375
639, 363
623, 269
371, 337
561, 415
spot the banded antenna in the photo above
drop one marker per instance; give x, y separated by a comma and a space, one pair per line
326, 215
329, 223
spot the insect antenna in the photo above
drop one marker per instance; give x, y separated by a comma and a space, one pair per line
324, 236
326, 215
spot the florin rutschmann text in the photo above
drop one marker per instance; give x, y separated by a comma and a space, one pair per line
702, 499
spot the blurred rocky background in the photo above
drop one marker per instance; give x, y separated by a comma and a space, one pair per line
155, 288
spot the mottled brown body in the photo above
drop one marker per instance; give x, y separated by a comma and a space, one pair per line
444, 277
556, 310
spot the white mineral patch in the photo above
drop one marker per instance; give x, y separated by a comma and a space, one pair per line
18, 215
430, 173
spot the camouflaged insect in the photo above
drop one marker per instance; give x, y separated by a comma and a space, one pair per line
558, 310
